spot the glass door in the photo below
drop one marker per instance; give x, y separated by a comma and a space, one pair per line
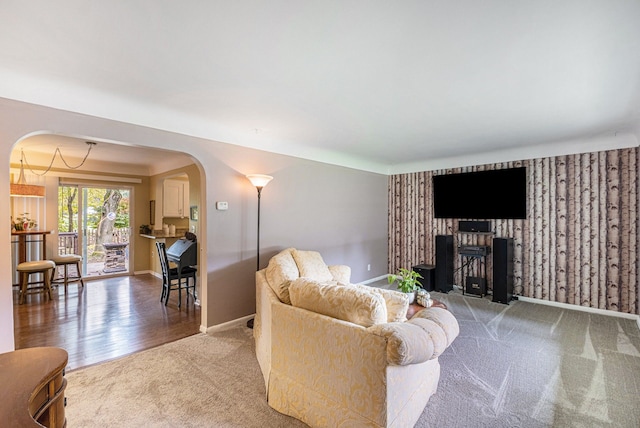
95, 223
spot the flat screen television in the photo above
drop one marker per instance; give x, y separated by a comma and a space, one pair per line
495, 194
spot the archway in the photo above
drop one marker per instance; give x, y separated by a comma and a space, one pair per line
113, 170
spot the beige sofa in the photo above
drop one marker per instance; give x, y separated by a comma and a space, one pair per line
337, 354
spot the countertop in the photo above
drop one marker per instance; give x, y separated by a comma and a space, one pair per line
160, 234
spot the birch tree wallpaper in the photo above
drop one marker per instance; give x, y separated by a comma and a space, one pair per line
578, 244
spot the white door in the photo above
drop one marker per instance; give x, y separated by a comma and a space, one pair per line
95, 223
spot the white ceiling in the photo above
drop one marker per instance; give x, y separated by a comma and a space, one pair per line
377, 85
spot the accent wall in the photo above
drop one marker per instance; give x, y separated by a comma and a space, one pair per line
578, 244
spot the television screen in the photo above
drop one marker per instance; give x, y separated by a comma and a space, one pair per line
496, 194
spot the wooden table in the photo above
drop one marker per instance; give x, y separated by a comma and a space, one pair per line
415, 308
22, 242
33, 384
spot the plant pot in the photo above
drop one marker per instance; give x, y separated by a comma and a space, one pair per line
412, 296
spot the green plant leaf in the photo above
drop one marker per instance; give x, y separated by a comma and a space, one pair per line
407, 280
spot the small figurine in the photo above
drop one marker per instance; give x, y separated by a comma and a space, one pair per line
423, 298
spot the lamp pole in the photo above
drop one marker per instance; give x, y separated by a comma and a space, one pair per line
258, 237
259, 180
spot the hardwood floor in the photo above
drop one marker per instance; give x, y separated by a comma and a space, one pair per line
107, 319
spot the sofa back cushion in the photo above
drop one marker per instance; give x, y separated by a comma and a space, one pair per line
311, 265
397, 303
282, 269
351, 304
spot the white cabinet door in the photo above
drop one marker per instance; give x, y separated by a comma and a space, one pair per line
175, 198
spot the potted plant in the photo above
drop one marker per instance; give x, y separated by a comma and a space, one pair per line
24, 223
407, 282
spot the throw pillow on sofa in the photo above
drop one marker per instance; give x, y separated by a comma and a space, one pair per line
397, 303
340, 273
311, 265
282, 269
347, 303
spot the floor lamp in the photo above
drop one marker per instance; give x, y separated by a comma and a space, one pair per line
258, 180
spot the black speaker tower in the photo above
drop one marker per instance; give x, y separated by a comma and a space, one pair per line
444, 263
502, 270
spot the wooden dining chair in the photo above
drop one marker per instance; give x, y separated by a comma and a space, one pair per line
172, 281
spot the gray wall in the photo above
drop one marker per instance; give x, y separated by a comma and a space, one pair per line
309, 205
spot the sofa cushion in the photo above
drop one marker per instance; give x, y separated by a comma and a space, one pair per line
311, 265
412, 342
397, 303
340, 273
445, 320
350, 304
282, 269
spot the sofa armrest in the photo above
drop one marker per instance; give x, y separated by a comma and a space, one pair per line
341, 273
418, 340
444, 319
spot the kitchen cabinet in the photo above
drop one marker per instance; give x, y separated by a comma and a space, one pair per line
175, 198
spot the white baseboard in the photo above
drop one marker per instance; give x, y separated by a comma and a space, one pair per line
227, 325
582, 308
369, 281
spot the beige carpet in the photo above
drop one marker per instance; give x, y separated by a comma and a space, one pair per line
522, 365
200, 381
531, 365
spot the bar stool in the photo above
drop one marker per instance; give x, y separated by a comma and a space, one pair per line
66, 260
25, 269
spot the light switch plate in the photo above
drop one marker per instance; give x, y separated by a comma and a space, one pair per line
222, 206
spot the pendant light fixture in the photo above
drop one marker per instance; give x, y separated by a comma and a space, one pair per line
22, 189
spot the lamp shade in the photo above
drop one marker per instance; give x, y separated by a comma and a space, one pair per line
24, 190
27, 191
259, 180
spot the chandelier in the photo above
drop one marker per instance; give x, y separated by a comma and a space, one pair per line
22, 189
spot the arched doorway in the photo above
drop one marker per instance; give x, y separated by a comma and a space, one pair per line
106, 164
